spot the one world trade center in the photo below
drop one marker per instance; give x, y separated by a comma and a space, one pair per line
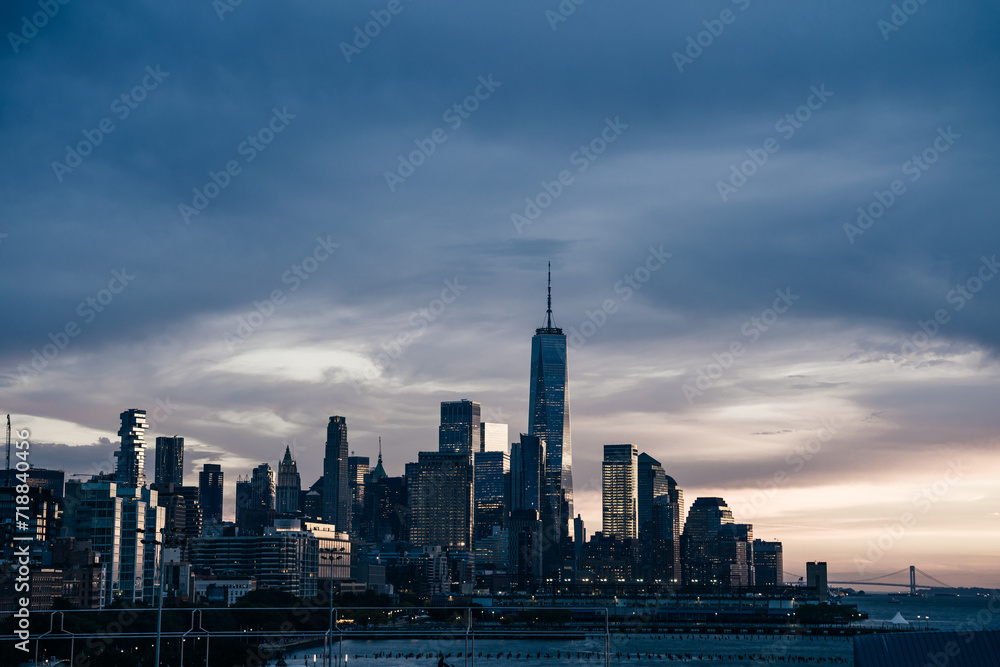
548, 418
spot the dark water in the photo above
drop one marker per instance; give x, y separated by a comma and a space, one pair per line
943, 613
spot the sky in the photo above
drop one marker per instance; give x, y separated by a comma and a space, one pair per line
772, 229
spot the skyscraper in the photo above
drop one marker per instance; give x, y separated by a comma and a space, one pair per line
169, 461
701, 548
262, 488
210, 488
460, 427
491, 502
492, 437
244, 498
357, 474
130, 470
442, 501
768, 563
289, 485
652, 484
619, 485
524, 525
336, 493
527, 473
548, 418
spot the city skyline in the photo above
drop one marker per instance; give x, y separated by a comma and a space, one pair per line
773, 253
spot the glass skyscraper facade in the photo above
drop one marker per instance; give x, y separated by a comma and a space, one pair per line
460, 427
620, 477
169, 461
491, 507
130, 470
548, 419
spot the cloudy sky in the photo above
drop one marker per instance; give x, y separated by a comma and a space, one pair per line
245, 218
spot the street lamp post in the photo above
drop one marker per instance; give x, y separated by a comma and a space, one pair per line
332, 560
159, 608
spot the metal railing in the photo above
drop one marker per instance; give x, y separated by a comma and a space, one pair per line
459, 624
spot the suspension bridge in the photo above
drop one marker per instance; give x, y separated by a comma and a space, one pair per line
880, 580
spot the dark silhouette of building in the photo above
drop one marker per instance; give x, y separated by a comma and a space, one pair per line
336, 492
357, 473
768, 563
169, 461
289, 487
210, 491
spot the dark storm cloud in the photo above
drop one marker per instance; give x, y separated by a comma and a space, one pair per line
323, 177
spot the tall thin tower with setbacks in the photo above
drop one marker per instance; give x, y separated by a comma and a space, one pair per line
548, 419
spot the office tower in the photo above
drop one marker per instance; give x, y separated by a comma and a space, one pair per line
652, 484
619, 486
527, 474
548, 419
357, 473
336, 493
169, 461
492, 437
524, 525
262, 488
700, 541
735, 555
768, 564
460, 427
816, 578
442, 501
244, 498
99, 520
661, 549
289, 485
130, 470
491, 503
210, 488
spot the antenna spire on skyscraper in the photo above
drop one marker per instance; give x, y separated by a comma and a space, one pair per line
548, 313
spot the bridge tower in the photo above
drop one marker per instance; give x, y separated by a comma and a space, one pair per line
913, 580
